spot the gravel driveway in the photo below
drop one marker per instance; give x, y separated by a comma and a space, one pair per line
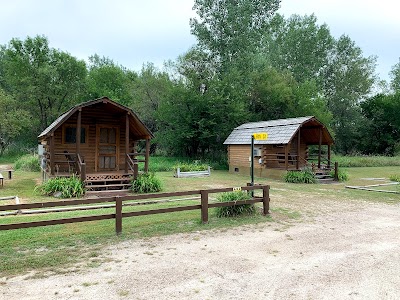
339, 250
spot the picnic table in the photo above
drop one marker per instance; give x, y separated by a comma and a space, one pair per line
9, 171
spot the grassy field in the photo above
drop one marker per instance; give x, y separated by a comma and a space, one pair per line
58, 248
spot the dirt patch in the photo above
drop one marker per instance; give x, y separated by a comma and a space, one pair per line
338, 250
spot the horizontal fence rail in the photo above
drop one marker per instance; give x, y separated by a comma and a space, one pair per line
118, 204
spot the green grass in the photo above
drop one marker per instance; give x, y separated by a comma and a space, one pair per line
366, 161
58, 247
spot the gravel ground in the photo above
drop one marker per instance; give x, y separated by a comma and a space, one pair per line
338, 250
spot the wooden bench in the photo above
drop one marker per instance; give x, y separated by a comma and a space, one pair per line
1, 179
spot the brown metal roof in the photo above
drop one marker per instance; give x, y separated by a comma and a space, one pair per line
136, 125
281, 132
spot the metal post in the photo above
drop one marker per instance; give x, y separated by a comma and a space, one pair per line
204, 206
252, 161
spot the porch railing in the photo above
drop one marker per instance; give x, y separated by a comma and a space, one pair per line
133, 162
81, 167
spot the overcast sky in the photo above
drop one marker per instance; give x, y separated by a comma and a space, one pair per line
132, 32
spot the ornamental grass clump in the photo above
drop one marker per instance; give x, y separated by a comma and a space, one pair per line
235, 210
304, 176
28, 163
146, 183
68, 187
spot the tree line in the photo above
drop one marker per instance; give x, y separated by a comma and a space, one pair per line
249, 64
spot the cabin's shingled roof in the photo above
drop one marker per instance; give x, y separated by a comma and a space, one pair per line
279, 131
62, 118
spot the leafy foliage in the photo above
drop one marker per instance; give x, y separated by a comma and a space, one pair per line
43, 80
13, 121
234, 210
69, 187
395, 177
146, 183
189, 167
28, 163
304, 176
342, 175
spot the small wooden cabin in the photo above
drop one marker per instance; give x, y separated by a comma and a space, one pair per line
286, 148
97, 140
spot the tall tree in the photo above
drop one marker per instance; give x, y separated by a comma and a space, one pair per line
298, 45
149, 90
395, 77
106, 78
13, 121
231, 30
43, 80
349, 78
382, 133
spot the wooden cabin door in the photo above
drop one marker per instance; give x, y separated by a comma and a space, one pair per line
107, 148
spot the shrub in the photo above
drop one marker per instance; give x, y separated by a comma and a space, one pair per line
304, 176
189, 167
69, 187
342, 175
395, 177
146, 183
28, 163
235, 210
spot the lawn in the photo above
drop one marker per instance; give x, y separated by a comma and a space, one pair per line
57, 247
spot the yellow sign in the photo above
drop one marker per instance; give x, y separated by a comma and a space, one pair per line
237, 189
260, 136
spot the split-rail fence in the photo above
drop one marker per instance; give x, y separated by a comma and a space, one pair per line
204, 205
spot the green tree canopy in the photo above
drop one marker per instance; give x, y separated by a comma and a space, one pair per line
44, 81
106, 78
13, 121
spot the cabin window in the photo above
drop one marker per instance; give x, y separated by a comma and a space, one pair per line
69, 135
236, 170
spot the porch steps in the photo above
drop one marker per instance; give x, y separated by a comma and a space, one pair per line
107, 183
323, 176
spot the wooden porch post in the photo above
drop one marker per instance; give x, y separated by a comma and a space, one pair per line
52, 154
126, 141
146, 164
329, 156
319, 147
78, 132
298, 151
286, 156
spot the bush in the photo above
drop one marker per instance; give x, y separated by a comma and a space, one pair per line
342, 175
28, 163
235, 210
395, 177
146, 183
69, 187
304, 176
189, 167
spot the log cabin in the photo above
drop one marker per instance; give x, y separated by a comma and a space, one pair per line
286, 148
98, 141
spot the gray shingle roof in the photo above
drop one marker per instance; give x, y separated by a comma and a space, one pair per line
279, 131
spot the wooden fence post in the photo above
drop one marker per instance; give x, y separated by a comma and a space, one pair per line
336, 171
266, 200
204, 206
118, 215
